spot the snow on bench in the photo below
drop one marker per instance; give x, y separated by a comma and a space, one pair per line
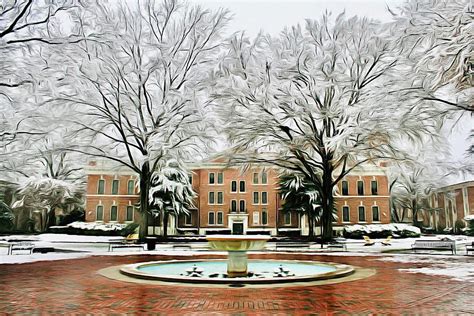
19, 246
434, 245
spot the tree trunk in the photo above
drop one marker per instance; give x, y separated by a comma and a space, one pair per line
144, 189
165, 225
51, 218
415, 213
327, 202
311, 226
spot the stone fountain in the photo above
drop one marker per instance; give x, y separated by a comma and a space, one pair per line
237, 247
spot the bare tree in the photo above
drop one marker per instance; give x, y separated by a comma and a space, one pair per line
138, 91
436, 39
312, 101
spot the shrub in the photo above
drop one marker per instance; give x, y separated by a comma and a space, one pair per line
6, 218
459, 226
381, 231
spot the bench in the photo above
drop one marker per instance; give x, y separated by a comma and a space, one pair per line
20, 246
112, 246
280, 245
337, 245
434, 245
470, 248
182, 246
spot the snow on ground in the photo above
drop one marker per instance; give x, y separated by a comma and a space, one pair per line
458, 267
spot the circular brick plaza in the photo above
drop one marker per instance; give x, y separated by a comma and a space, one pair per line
76, 286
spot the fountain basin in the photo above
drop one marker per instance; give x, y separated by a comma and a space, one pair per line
260, 271
237, 247
237, 242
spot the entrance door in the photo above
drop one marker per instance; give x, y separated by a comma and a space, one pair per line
237, 228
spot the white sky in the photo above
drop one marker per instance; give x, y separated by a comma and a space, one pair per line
273, 15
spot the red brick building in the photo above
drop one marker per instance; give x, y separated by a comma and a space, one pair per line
232, 201
455, 202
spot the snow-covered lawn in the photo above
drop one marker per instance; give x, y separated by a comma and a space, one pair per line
458, 266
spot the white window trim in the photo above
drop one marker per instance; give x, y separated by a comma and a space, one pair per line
261, 198
245, 186
372, 210
217, 218
118, 187
266, 224
253, 198
216, 179
236, 206
128, 185
209, 198
217, 198
253, 178
96, 207
342, 210
253, 218
236, 186
133, 213
209, 217
114, 221
363, 187
245, 206
376, 184
358, 214
209, 178
98, 186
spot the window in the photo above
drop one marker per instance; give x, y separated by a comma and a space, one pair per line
220, 197
131, 187
211, 178
211, 219
264, 178
360, 187
220, 178
361, 214
242, 186
345, 214
255, 178
129, 215
375, 214
190, 179
99, 216
256, 218
264, 198
220, 218
373, 187
255, 198
287, 218
115, 186
233, 186
264, 218
188, 219
345, 187
212, 198
113, 213
101, 187
233, 206
242, 206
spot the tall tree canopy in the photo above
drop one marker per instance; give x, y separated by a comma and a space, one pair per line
138, 87
313, 99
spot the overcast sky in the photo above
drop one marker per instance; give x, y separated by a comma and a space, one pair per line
271, 16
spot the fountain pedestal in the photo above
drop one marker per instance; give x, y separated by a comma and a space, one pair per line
237, 264
237, 246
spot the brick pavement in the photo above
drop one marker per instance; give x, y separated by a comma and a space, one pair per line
74, 286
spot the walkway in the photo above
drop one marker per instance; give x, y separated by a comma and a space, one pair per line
74, 286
